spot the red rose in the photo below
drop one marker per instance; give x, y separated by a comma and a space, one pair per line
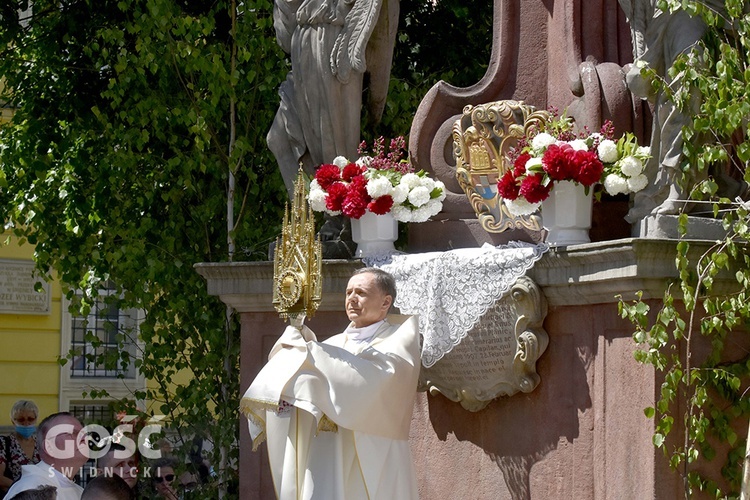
327, 174
336, 195
590, 168
519, 166
357, 199
351, 171
381, 205
533, 190
558, 162
507, 187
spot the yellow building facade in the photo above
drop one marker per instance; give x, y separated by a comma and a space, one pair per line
30, 338
36, 330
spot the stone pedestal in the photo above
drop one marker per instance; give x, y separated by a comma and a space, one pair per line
667, 226
580, 434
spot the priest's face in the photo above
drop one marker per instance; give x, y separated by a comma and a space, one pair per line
366, 303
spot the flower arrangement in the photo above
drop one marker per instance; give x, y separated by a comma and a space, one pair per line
380, 182
554, 153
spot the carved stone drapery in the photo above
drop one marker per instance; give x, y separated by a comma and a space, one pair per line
498, 357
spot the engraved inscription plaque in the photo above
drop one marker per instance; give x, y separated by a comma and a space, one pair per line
17, 294
498, 356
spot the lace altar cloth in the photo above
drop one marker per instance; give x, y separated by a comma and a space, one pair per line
451, 291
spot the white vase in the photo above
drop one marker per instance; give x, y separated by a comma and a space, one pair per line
566, 214
374, 234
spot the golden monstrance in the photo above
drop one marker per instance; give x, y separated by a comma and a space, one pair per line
297, 276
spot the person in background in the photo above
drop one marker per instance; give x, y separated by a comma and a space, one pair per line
108, 488
60, 443
114, 463
18, 448
41, 493
163, 477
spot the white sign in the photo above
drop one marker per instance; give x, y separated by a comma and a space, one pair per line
17, 294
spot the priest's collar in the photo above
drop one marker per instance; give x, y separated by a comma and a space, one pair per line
363, 334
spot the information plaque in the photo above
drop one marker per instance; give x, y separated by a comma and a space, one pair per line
498, 356
17, 293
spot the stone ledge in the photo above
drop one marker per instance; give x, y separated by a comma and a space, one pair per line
592, 273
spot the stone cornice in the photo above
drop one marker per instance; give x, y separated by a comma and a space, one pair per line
594, 273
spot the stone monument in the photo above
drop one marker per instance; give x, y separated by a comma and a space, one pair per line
331, 46
574, 426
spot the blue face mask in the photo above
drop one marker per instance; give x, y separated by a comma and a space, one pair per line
26, 431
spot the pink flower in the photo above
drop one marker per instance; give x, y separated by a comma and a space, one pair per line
357, 199
336, 194
519, 166
589, 166
351, 171
558, 162
533, 190
327, 174
381, 205
507, 187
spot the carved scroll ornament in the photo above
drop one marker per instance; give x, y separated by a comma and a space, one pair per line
481, 139
498, 357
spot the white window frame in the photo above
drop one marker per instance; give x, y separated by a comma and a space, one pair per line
72, 388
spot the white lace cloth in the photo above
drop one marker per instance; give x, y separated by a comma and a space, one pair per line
451, 290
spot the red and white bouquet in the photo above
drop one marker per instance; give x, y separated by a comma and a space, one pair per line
380, 183
555, 153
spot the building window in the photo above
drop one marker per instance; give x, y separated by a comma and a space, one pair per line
88, 413
98, 340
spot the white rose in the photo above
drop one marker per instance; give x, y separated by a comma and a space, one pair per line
401, 213
379, 186
534, 162
420, 215
631, 166
607, 151
317, 197
439, 185
419, 196
433, 207
637, 183
520, 206
541, 141
410, 181
340, 161
643, 151
400, 193
428, 183
614, 184
579, 145
364, 161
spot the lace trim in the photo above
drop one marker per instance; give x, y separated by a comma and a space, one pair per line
451, 291
380, 259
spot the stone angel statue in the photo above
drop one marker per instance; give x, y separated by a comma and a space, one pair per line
659, 37
332, 44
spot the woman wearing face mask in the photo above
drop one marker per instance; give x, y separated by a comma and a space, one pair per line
19, 448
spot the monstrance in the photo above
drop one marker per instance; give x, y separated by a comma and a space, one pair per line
297, 276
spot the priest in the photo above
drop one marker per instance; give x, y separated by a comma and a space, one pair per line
336, 414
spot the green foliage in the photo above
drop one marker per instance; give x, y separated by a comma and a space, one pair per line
129, 118
462, 30
707, 394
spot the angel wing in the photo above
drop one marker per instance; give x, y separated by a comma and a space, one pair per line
348, 52
379, 54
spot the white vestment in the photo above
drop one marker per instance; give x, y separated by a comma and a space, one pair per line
336, 414
33, 476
